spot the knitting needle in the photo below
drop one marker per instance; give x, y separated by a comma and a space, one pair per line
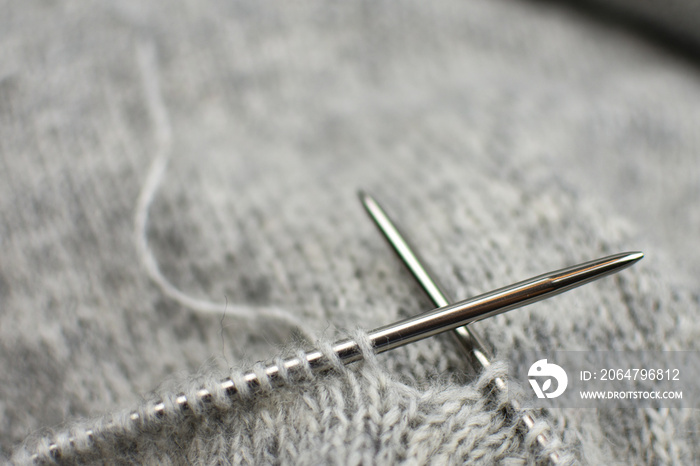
413, 329
409, 330
467, 337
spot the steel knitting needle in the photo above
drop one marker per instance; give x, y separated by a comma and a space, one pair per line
466, 336
413, 329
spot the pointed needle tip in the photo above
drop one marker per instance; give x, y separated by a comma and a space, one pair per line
368, 203
362, 194
634, 256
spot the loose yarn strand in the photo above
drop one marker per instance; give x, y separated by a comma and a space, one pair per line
163, 134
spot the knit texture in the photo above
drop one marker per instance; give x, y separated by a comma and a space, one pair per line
359, 416
177, 197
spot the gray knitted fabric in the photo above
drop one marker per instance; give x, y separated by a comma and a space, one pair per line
177, 201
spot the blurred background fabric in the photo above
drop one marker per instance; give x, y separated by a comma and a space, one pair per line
508, 137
